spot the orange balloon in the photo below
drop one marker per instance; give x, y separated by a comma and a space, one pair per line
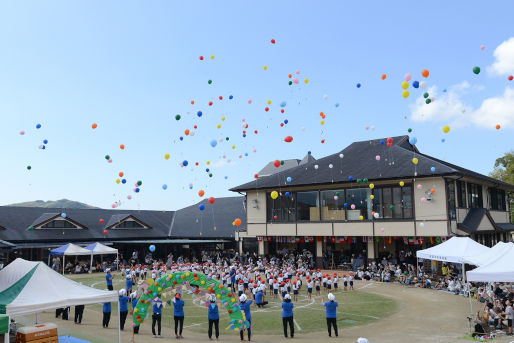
187, 132
122, 146
321, 114
121, 174
432, 191
192, 102
290, 75
425, 73
384, 76
237, 222
201, 193
498, 126
94, 126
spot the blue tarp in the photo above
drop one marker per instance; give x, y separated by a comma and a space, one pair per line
70, 339
59, 251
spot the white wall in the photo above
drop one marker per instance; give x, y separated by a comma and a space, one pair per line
256, 212
394, 228
314, 229
434, 209
353, 229
500, 216
428, 228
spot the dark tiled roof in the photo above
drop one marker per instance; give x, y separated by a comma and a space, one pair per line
505, 226
359, 162
5, 244
215, 221
473, 220
43, 218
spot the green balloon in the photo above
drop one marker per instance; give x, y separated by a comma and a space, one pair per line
409, 130
177, 117
281, 163
337, 193
227, 138
210, 174
359, 181
139, 183
290, 83
365, 180
476, 70
29, 167
31, 228
209, 82
107, 157
425, 95
428, 101
391, 207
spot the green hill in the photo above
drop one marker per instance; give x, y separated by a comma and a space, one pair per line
63, 203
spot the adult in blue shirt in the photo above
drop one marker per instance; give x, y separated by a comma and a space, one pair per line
233, 278
213, 315
107, 315
245, 306
259, 298
129, 283
178, 315
287, 315
331, 313
156, 318
123, 307
108, 279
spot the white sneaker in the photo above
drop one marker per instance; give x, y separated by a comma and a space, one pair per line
154, 336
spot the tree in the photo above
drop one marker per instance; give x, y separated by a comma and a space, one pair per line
504, 171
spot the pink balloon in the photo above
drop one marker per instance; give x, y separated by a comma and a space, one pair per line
420, 186
129, 197
423, 199
110, 160
353, 207
22, 133
377, 157
408, 77
367, 127
482, 47
336, 197
297, 72
113, 205
382, 229
249, 101
295, 80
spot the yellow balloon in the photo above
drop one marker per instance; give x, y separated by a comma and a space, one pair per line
274, 195
203, 282
371, 186
208, 162
219, 126
405, 93
265, 67
118, 181
159, 289
149, 281
269, 102
361, 217
187, 274
322, 122
402, 183
167, 156
136, 310
415, 160
212, 57
446, 129
372, 197
233, 146
222, 118
405, 85
306, 80
219, 296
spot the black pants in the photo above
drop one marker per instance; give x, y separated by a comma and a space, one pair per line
65, 313
289, 320
331, 322
106, 320
156, 318
79, 311
177, 321
123, 317
58, 312
136, 329
109, 287
262, 304
249, 329
216, 323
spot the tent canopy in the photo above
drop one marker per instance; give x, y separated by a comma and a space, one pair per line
100, 249
70, 249
491, 255
499, 270
456, 250
30, 287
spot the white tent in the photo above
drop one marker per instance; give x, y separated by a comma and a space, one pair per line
491, 255
30, 287
456, 250
100, 249
69, 249
499, 270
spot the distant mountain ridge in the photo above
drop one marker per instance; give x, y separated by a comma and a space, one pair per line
63, 203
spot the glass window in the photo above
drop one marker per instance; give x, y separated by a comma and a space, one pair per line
332, 205
359, 198
59, 224
397, 202
461, 194
497, 199
308, 206
407, 201
387, 201
129, 224
475, 195
450, 187
281, 209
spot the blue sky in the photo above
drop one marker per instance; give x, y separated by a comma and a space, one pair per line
132, 66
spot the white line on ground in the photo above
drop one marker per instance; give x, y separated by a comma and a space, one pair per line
296, 324
188, 326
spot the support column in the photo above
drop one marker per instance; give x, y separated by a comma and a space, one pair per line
261, 248
371, 249
240, 246
319, 252
266, 248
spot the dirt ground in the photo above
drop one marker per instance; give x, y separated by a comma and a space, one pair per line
423, 316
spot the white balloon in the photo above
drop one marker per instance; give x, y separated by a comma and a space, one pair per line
376, 215
422, 224
325, 97
330, 166
315, 166
423, 84
341, 155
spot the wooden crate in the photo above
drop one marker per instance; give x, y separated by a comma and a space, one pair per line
42, 333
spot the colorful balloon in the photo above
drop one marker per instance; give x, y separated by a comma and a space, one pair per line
94, 126
408, 77
274, 195
405, 93
425, 73
476, 70
165, 186
405, 85
446, 129
237, 222
201, 193
415, 160
212, 200
151, 248
288, 139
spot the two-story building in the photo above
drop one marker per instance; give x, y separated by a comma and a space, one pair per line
373, 198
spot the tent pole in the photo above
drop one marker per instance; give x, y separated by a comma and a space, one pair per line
417, 266
119, 322
117, 262
468, 286
49, 260
91, 264
62, 264
6, 336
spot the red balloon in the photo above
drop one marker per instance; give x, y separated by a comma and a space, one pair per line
511, 78
288, 139
282, 111
256, 132
221, 98
266, 109
210, 103
212, 200
105, 232
101, 221
389, 140
272, 40
276, 163
282, 124
201, 58
322, 141
275, 217
256, 176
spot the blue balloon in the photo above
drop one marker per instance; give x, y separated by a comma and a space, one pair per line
345, 204
165, 187
286, 121
231, 97
199, 113
337, 104
432, 169
444, 90
358, 85
214, 143
350, 178
289, 179
185, 163
38, 126
246, 154
382, 142
443, 140
63, 215
207, 170
123, 181
201, 207
45, 141
191, 187
43, 147
181, 138
413, 140
244, 134
137, 190
151, 248
309, 152
283, 104
226, 177
287, 194
415, 84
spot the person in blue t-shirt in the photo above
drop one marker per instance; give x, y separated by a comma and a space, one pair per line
133, 301
233, 278
287, 315
156, 317
178, 315
213, 315
107, 315
331, 313
108, 279
123, 307
245, 306
129, 283
259, 298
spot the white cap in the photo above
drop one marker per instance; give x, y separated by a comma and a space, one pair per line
331, 297
122, 292
212, 298
133, 295
108, 270
128, 276
242, 298
287, 296
362, 340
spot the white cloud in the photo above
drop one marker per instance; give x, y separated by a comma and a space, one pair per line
449, 108
504, 54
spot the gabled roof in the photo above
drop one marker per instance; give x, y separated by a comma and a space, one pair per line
117, 219
359, 161
215, 221
473, 219
49, 217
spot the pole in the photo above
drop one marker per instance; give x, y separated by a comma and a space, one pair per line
62, 264
49, 260
119, 322
36, 317
117, 262
6, 336
417, 266
91, 264
468, 286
